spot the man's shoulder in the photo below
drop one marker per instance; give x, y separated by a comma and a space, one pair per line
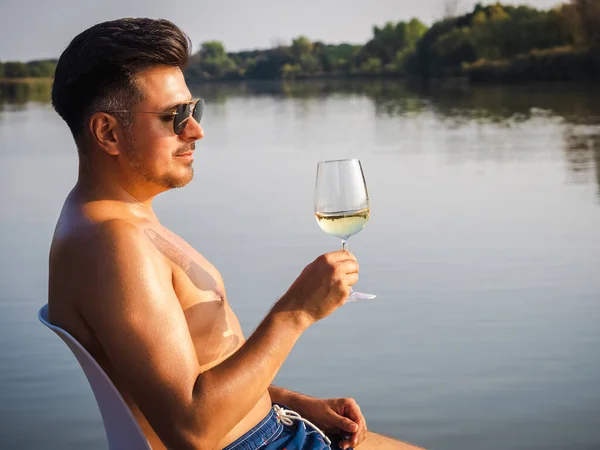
95, 258
110, 239
93, 232
83, 251
117, 230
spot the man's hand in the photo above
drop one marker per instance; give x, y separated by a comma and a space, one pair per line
322, 287
336, 416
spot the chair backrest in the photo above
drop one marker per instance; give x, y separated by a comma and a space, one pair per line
122, 430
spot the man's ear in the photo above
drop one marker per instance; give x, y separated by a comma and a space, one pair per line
103, 131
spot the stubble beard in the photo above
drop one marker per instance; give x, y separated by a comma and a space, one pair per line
167, 180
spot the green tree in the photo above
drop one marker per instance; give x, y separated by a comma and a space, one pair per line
309, 64
14, 69
479, 19
414, 30
495, 32
268, 64
44, 68
386, 42
455, 48
391, 39
372, 65
290, 70
212, 49
323, 57
427, 63
497, 12
339, 58
570, 24
589, 14
213, 61
301, 46
402, 60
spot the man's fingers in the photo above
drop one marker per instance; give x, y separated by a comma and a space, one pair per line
351, 279
341, 255
346, 443
347, 425
348, 267
354, 439
352, 411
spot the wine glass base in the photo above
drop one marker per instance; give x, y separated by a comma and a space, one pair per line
354, 296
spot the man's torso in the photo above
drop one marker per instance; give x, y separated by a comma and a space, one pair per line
214, 328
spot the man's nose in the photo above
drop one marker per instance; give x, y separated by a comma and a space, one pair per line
193, 130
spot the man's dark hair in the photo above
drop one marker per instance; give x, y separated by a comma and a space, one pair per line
96, 71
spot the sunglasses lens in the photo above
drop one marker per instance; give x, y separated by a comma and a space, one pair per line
198, 110
182, 114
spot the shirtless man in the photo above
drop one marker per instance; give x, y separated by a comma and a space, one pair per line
151, 310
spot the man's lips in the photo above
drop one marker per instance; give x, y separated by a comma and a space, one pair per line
187, 152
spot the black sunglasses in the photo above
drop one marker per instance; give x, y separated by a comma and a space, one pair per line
181, 115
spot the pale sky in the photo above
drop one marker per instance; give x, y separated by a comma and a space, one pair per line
35, 29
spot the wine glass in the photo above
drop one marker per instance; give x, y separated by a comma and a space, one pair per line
342, 203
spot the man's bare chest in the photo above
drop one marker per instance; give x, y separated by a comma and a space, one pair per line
213, 327
195, 279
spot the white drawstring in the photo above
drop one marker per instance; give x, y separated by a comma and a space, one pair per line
287, 417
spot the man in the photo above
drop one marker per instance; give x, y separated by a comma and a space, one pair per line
150, 309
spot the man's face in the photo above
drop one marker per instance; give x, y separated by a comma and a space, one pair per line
154, 151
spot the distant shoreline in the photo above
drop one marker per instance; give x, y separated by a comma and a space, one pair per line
453, 82
27, 80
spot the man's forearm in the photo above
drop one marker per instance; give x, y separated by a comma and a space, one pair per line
291, 399
230, 390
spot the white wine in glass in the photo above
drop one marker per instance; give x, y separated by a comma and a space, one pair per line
342, 205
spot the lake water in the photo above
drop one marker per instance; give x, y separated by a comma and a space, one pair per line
483, 248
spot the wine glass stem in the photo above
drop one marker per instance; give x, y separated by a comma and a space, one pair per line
345, 247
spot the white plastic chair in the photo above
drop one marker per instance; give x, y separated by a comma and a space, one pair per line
122, 430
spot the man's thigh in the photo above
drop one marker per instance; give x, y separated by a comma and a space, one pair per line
375, 441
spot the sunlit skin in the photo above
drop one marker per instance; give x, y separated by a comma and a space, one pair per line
154, 312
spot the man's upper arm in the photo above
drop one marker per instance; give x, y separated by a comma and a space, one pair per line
136, 316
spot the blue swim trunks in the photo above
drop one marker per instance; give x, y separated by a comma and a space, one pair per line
272, 434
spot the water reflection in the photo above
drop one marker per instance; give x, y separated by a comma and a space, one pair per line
575, 103
597, 163
582, 150
20, 93
576, 108
506, 104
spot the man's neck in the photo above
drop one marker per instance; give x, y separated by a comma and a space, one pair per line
102, 185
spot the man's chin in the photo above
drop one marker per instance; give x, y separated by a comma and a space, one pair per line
174, 183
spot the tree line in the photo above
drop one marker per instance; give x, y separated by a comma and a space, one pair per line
385, 52
491, 43
506, 43
31, 69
